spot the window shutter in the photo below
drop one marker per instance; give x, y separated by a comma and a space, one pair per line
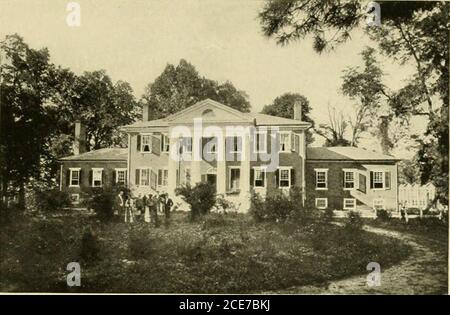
153, 179
113, 177
103, 177
277, 177
90, 177
362, 183
343, 179
252, 176
126, 177
160, 175
156, 144
387, 179
292, 177
263, 176
137, 177
80, 176
204, 178
67, 178
138, 142
371, 180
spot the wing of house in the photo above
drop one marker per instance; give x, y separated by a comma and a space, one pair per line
349, 178
97, 168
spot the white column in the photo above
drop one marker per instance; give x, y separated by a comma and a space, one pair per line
172, 168
196, 175
221, 165
245, 173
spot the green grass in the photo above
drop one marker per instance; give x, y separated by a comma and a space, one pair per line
219, 254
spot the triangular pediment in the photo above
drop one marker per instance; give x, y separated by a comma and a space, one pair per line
209, 111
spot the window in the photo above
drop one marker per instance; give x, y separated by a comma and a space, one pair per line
349, 203
121, 176
145, 177
377, 180
163, 175
186, 143
97, 174
146, 143
378, 204
210, 144
321, 178
235, 176
165, 143
75, 198
321, 203
285, 141
259, 177
349, 180
234, 144
285, 177
74, 177
260, 144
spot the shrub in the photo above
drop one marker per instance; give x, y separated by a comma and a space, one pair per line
354, 221
201, 198
224, 205
102, 202
277, 206
51, 199
383, 215
89, 251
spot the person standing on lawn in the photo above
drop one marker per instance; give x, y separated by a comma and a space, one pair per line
168, 203
128, 210
161, 202
147, 204
153, 210
139, 202
119, 204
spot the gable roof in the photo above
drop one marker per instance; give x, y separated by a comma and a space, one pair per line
210, 102
106, 154
345, 154
257, 118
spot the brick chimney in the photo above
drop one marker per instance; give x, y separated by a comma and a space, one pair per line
145, 112
297, 111
79, 144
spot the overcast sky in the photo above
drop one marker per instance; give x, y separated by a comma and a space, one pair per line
134, 40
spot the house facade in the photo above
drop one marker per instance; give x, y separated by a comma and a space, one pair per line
349, 178
94, 169
210, 142
239, 153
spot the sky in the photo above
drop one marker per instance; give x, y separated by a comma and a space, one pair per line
134, 41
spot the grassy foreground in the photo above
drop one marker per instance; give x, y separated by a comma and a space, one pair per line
219, 254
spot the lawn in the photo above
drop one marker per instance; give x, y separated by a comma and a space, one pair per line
218, 254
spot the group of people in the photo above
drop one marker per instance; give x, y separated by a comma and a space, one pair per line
144, 207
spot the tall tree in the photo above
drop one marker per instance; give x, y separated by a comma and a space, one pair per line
334, 131
181, 86
416, 32
26, 116
98, 103
283, 106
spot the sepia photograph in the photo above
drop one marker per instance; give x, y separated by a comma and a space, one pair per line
232, 147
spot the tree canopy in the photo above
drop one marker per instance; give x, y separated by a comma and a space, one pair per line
39, 105
181, 86
413, 32
283, 106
